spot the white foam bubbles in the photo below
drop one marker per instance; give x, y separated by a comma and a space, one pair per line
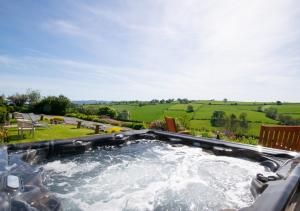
152, 176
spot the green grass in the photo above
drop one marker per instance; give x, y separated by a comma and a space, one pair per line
51, 133
149, 113
200, 118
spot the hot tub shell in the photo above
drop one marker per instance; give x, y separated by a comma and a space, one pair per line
22, 187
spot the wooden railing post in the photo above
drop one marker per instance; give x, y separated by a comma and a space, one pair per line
79, 124
97, 129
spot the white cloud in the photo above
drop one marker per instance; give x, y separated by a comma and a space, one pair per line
244, 50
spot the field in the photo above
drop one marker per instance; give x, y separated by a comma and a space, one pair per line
200, 118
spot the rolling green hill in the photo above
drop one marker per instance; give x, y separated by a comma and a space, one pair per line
200, 118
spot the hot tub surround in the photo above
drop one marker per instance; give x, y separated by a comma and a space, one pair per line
21, 185
21, 178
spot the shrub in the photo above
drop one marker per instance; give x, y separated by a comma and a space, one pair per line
288, 120
3, 114
243, 123
133, 125
113, 130
184, 122
18, 99
259, 109
271, 113
124, 115
33, 96
158, 125
190, 108
88, 110
126, 124
233, 123
76, 115
110, 121
138, 126
53, 105
218, 119
207, 134
107, 111
57, 119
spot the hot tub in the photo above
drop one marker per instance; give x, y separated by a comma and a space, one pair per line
148, 170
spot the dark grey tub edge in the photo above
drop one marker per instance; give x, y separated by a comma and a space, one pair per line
271, 195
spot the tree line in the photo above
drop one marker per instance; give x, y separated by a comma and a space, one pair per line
237, 124
283, 119
33, 101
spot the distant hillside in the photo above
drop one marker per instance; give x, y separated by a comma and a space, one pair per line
88, 102
203, 110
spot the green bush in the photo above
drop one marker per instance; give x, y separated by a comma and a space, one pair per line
72, 115
87, 110
158, 125
126, 124
218, 119
3, 114
190, 108
58, 118
124, 115
107, 111
271, 113
53, 105
138, 126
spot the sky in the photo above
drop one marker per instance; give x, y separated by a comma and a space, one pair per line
247, 50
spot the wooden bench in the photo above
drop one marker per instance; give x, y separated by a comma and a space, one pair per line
25, 125
280, 137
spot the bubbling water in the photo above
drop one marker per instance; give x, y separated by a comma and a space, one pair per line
151, 175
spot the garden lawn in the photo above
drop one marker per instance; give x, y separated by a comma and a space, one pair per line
51, 133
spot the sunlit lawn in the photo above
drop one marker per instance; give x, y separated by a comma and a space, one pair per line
53, 132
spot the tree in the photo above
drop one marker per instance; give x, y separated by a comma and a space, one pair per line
233, 123
18, 99
190, 108
288, 120
278, 102
2, 99
124, 115
259, 109
107, 111
183, 101
34, 96
225, 100
218, 119
154, 101
271, 113
3, 114
169, 100
53, 105
243, 123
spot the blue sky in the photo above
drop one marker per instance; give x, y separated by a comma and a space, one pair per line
127, 50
